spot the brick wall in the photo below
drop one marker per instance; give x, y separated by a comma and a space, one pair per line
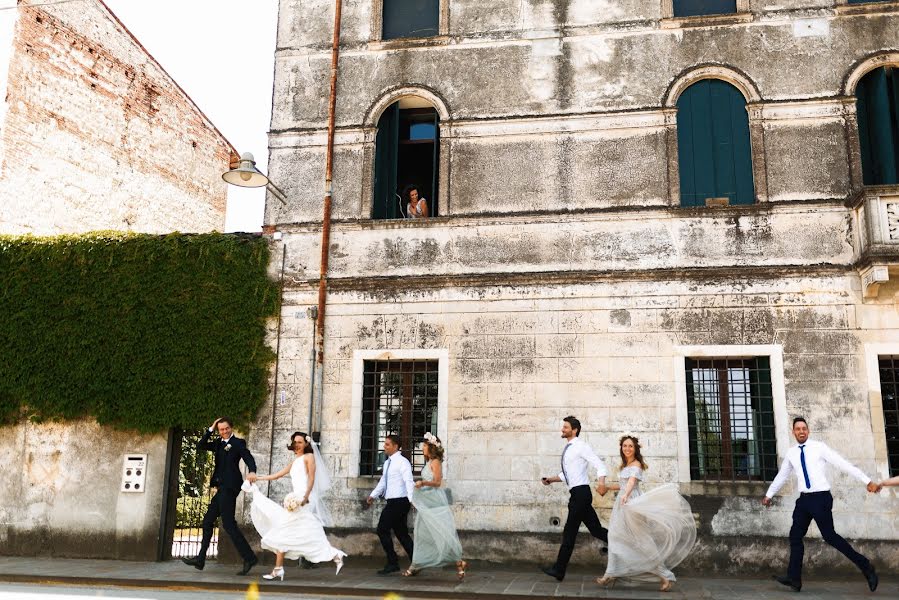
98, 136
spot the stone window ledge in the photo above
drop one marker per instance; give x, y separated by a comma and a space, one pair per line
400, 43
868, 8
754, 489
705, 20
868, 191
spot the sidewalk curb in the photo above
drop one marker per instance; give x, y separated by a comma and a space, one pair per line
270, 588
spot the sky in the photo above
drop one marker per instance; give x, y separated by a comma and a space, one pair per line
221, 52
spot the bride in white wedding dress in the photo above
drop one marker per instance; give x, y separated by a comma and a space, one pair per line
296, 529
650, 533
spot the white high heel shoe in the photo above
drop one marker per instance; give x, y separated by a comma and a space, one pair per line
277, 572
339, 562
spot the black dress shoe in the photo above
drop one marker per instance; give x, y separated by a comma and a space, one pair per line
388, 569
796, 586
196, 562
247, 565
871, 576
553, 573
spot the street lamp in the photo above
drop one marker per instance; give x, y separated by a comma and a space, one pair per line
248, 176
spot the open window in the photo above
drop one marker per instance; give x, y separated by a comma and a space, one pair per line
878, 125
406, 154
713, 144
410, 19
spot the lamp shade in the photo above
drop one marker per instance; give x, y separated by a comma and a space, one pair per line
246, 174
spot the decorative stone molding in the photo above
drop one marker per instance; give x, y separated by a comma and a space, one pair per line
687, 78
377, 109
866, 65
872, 277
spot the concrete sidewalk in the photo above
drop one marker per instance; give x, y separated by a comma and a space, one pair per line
484, 581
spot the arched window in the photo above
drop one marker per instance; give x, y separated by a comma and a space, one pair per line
407, 151
713, 148
877, 97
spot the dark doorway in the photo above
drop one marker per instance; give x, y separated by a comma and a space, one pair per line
188, 496
407, 151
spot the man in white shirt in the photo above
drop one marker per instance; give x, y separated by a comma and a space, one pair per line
576, 458
396, 486
808, 461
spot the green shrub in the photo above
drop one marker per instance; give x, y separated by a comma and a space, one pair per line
140, 332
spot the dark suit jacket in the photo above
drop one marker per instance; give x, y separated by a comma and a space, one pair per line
227, 473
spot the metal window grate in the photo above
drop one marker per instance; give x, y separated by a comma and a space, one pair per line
731, 419
398, 397
889, 391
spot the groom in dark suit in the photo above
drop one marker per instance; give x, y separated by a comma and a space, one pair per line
229, 450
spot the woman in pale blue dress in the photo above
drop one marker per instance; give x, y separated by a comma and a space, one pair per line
651, 533
436, 540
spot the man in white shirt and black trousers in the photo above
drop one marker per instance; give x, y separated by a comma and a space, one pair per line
808, 460
396, 486
576, 458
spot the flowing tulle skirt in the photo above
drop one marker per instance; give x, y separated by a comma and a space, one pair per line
650, 535
436, 540
298, 534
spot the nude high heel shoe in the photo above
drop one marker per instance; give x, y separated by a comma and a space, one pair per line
277, 572
339, 563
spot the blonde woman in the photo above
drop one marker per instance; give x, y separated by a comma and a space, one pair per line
650, 533
436, 540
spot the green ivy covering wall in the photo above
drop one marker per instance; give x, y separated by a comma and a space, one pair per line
141, 332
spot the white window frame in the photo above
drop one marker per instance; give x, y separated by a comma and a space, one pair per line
873, 352
774, 352
441, 355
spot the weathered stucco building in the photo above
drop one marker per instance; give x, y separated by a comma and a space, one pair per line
675, 224
94, 134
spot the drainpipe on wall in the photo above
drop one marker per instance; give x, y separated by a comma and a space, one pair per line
326, 221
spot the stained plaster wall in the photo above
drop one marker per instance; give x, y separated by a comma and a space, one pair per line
565, 278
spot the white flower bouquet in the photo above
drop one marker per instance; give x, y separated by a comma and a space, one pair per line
292, 502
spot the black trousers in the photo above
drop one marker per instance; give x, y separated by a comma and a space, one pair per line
580, 510
223, 505
393, 518
817, 506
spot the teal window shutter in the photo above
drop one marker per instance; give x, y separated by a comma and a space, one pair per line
714, 152
386, 205
693, 8
877, 110
410, 18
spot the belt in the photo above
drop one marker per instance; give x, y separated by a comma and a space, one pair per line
813, 493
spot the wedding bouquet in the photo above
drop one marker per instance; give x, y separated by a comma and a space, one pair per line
292, 502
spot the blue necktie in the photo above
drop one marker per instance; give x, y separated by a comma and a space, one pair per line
564, 474
387, 470
808, 484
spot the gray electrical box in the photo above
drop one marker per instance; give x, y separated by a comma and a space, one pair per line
134, 473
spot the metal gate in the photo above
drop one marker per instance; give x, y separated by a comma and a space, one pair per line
189, 495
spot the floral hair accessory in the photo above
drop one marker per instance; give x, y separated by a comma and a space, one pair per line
628, 434
432, 439
292, 502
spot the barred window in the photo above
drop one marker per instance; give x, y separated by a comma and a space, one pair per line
889, 391
730, 410
398, 397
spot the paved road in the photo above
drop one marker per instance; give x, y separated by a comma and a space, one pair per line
64, 592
